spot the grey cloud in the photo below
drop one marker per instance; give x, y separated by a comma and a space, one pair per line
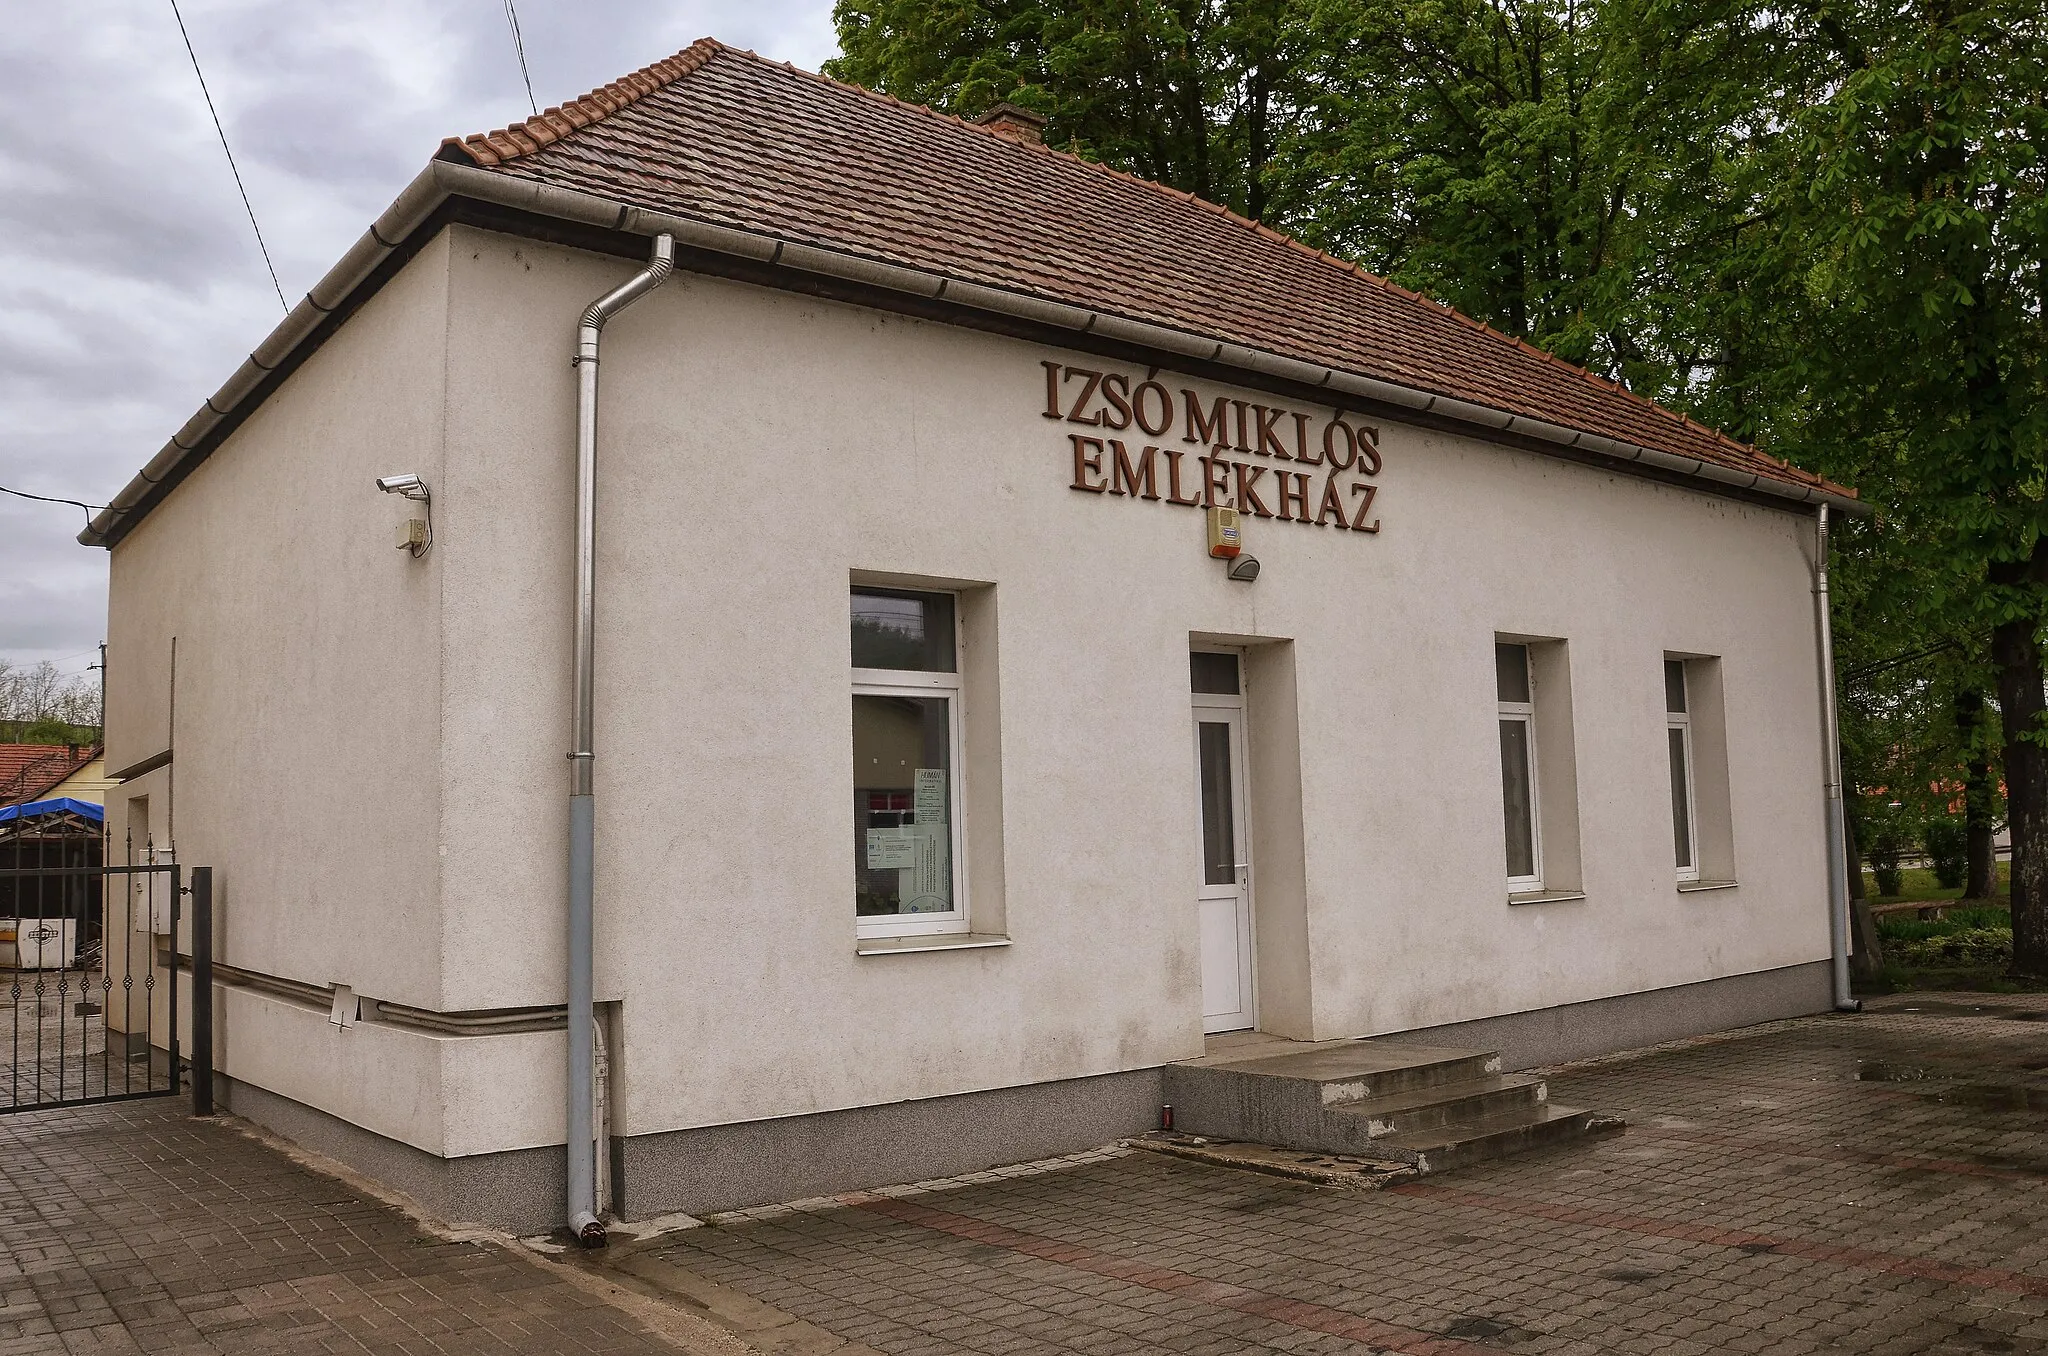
130, 286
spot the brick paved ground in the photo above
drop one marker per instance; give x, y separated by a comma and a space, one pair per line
1868, 1184
54, 1039
131, 1228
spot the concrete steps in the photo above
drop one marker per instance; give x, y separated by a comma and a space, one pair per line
1431, 1107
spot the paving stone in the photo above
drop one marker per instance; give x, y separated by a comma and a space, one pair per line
133, 1228
1837, 1183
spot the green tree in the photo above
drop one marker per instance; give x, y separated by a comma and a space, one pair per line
1191, 93
1817, 225
1915, 206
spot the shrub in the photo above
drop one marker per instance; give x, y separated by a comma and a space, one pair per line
1884, 832
1949, 950
1948, 849
1904, 927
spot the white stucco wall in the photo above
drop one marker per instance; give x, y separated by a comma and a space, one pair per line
308, 662
375, 748
757, 448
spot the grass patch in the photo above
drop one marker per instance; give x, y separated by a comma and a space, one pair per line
1904, 927
1966, 948
1918, 883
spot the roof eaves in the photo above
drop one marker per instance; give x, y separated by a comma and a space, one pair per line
449, 176
1263, 231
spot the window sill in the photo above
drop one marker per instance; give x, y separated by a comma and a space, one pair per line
1693, 887
1546, 896
934, 941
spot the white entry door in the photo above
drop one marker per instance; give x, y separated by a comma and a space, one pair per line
1225, 897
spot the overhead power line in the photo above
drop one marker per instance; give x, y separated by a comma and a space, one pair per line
519, 46
90, 509
232, 167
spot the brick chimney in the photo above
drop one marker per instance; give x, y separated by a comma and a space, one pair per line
1015, 124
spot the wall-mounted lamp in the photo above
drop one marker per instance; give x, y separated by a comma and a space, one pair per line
415, 535
1244, 569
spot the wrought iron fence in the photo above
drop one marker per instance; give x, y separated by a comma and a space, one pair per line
92, 1006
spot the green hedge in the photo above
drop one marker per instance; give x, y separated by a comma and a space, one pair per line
1947, 950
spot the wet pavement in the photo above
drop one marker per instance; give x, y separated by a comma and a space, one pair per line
1873, 1183
131, 1227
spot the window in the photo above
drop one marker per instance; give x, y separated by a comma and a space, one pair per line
1696, 740
1678, 733
1518, 766
907, 875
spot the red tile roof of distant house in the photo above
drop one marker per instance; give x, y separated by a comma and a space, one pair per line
725, 137
28, 771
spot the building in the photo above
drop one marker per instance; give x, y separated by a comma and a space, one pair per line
30, 772
946, 787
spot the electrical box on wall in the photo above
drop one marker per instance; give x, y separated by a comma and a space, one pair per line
1224, 537
412, 535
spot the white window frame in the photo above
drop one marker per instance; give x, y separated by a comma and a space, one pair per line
1525, 712
1682, 721
924, 683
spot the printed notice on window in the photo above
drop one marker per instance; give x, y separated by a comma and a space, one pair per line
930, 799
891, 849
928, 884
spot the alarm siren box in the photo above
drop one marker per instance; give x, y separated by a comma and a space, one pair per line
1224, 536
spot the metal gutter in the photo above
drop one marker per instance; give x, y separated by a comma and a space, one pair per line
1831, 776
443, 180
581, 1179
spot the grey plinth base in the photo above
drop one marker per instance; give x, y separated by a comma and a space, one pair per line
730, 1167
519, 1191
1630, 1021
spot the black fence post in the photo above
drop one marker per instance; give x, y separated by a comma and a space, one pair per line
202, 991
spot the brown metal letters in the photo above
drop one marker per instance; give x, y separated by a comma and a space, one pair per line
1116, 401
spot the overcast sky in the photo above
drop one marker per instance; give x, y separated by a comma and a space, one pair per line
130, 283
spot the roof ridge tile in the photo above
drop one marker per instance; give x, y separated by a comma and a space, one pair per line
490, 149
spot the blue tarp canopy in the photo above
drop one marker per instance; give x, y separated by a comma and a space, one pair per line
52, 807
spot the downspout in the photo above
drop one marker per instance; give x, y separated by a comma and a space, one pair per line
582, 1170
1831, 776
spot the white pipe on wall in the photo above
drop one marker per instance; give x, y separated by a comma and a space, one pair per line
582, 1169
1831, 776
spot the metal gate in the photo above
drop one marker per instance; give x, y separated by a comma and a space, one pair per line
87, 965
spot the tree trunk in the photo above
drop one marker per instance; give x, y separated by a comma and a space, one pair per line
1256, 149
1980, 794
2018, 659
1849, 849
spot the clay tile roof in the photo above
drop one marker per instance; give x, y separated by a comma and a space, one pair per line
29, 770
726, 137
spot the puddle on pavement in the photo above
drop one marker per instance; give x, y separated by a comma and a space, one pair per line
1937, 1008
1976, 1096
1991, 1097
1636, 1275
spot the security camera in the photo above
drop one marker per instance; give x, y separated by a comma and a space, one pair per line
412, 487
1244, 569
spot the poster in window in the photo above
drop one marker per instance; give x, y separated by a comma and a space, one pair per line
930, 796
927, 884
891, 849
